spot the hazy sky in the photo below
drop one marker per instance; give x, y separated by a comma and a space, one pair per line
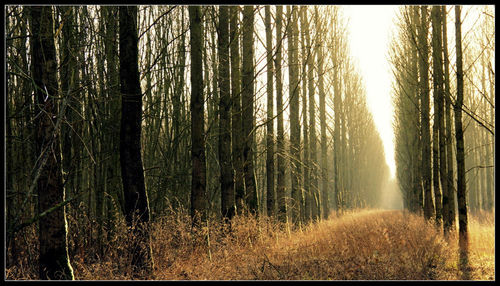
370, 29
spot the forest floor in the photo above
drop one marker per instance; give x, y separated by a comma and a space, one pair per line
357, 245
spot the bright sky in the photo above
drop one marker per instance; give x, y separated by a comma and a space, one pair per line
370, 29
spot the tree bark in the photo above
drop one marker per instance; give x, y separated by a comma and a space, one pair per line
53, 259
226, 171
336, 129
134, 189
306, 196
324, 206
247, 92
280, 144
449, 202
424, 95
438, 140
198, 178
271, 205
237, 124
461, 183
292, 34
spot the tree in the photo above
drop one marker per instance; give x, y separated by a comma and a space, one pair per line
336, 129
114, 185
198, 175
449, 200
270, 123
306, 195
424, 109
134, 190
236, 120
438, 146
322, 119
247, 102
292, 34
459, 134
313, 189
280, 138
226, 177
53, 260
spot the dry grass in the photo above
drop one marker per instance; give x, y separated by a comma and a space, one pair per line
481, 249
360, 245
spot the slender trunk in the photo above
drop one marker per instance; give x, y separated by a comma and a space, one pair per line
11, 215
134, 189
226, 171
449, 202
461, 183
271, 205
322, 118
336, 132
294, 112
113, 94
306, 195
438, 144
313, 156
424, 95
53, 259
416, 196
247, 92
280, 144
198, 178
237, 148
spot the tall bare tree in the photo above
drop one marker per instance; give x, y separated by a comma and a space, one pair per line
53, 258
271, 205
280, 138
322, 119
449, 215
198, 177
438, 146
459, 134
226, 177
247, 102
424, 109
236, 119
136, 200
292, 34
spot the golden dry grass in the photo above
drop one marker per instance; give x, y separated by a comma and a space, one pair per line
359, 245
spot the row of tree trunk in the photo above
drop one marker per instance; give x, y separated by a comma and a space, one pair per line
426, 175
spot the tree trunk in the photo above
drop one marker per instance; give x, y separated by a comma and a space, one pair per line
113, 94
237, 124
53, 260
336, 130
438, 143
424, 95
449, 202
305, 195
134, 189
280, 144
226, 171
461, 183
292, 34
313, 156
198, 179
322, 118
247, 92
271, 205
417, 195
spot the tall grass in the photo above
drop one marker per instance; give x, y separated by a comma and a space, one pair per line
360, 245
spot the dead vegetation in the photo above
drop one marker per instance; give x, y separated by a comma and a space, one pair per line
359, 245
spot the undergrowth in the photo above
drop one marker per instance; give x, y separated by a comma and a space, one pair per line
359, 245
